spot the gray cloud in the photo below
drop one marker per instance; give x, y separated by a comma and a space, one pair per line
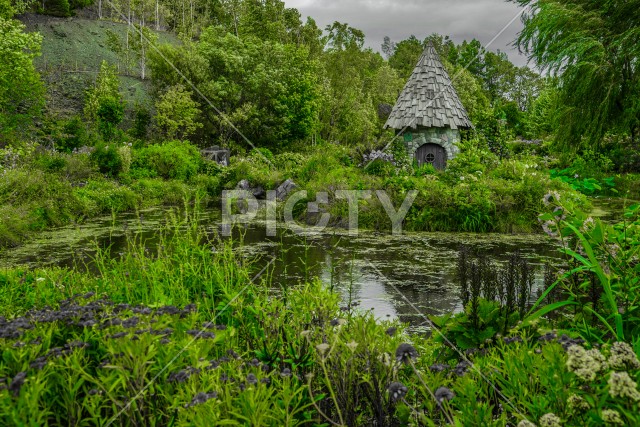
460, 19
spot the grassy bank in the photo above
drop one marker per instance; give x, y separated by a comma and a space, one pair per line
193, 335
46, 189
476, 193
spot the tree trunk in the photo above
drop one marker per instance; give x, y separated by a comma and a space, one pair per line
143, 64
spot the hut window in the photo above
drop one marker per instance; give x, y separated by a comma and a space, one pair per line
431, 94
430, 158
408, 137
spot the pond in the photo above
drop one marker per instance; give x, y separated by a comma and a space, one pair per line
405, 276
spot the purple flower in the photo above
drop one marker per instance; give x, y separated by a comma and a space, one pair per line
444, 393
405, 353
397, 391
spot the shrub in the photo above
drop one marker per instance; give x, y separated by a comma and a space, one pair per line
78, 167
100, 196
171, 160
211, 168
73, 135
109, 115
50, 162
156, 191
177, 113
141, 122
108, 159
289, 163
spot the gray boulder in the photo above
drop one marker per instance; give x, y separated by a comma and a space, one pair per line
285, 189
258, 192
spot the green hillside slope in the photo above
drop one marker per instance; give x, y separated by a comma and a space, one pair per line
72, 51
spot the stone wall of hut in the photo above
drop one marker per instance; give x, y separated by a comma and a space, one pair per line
445, 137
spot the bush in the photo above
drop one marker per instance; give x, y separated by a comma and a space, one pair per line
78, 168
32, 200
101, 196
73, 135
171, 160
108, 159
158, 191
141, 122
51, 162
110, 114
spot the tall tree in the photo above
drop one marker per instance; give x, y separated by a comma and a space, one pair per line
593, 47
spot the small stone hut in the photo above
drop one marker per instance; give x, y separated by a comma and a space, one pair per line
428, 114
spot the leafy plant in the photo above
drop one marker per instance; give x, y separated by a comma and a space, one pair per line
171, 160
602, 283
589, 186
108, 159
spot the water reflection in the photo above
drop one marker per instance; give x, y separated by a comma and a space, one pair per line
393, 275
406, 276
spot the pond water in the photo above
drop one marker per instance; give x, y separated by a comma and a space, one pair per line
405, 276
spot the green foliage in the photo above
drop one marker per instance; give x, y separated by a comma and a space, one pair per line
592, 48
266, 89
171, 160
380, 167
472, 330
31, 201
106, 90
72, 135
323, 364
21, 91
587, 173
588, 186
141, 122
356, 83
601, 287
60, 8
177, 114
108, 159
109, 115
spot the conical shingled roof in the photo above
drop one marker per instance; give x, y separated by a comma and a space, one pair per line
429, 99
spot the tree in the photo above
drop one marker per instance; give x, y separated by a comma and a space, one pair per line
21, 90
109, 115
177, 113
340, 36
104, 105
141, 41
593, 47
388, 47
405, 56
270, 89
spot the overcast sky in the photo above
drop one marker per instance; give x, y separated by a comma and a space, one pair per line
398, 19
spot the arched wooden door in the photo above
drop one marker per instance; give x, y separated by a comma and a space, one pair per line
433, 154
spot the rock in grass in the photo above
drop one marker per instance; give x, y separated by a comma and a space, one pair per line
285, 189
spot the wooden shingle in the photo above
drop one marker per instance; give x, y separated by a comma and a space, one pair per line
429, 97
